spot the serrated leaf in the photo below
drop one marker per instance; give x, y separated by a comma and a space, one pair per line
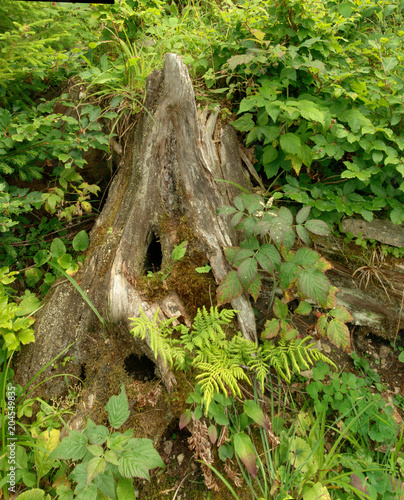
302, 214
241, 255
314, 285
239, 203
341, 313
236, 219
72, 447
338, 333
397, 215
288, 273
271, 329
125, 489
229, 289
247, 272
226, 210
291, 143
280, 309
268, 258
105, 482
332, 297
94, 467
255, 287
245, 451
118, 409
303, 308
318, 227
230, 252
303, 234
285, 214
244, 123
81, 241
306, 257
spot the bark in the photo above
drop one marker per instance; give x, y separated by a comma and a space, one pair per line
169, 178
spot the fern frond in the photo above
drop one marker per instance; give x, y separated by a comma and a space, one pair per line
157, 337
220, 374
259, 366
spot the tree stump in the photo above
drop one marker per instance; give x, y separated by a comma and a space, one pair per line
165, 192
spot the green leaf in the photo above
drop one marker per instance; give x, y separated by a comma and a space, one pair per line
270, 155
32, 494
41, 257
229, 289
318, 227
338, 333
303, 308
302, 214
105, 482
28, 305
291, 143
300, 454
244, 123
226, 210
255, 287
125, 489
94, 467
306, 257
314, 285
397, 215
73, 447
309, 111
271, 329
401, 357
65, 261
280, 309
57, 248
32, 276
316, 492
289, 272
303, 234
268, 258
203, 270
81, 241
247, 272
179, 251
254, 411
118, 409
341, 313
245, 451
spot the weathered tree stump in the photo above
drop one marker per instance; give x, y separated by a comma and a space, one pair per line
168, 182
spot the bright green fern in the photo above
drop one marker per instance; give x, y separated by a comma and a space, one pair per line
222, 362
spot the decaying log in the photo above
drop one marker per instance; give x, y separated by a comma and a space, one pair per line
168, 179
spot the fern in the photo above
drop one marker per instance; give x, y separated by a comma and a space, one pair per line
221, 374
222, 363
158, 333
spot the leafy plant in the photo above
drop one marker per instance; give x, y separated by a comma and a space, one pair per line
269, 234
223, 364
108, 460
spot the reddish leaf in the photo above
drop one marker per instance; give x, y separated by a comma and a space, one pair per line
212, 433
338, 333
229, 289
322, 325
341, 313
245, 451
185, 419
255, 287
271, 329
230, 252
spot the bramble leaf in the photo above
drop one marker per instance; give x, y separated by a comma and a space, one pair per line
229, 289
247, 272
314, 285
338, 333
